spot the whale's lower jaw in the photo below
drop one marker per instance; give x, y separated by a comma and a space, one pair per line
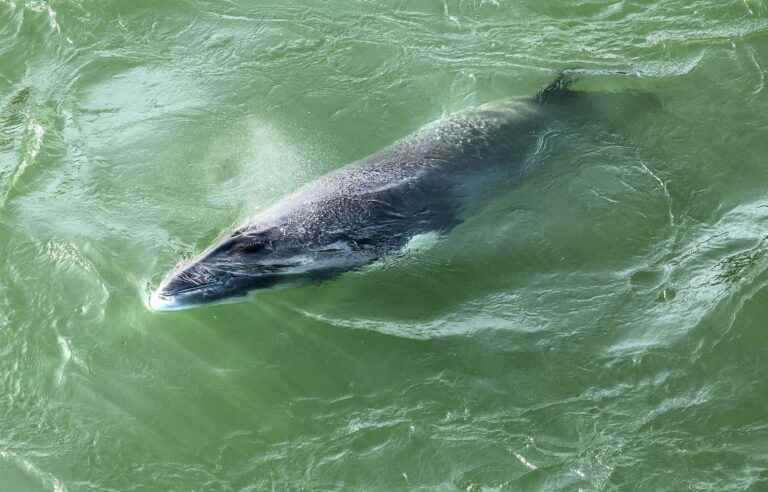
166, 298
159, 303
162, 300
213, 294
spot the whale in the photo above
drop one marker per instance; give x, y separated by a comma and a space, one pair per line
371, 208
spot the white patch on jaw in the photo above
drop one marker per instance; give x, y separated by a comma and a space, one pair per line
341, 256
416, 245
305, 264
421, 242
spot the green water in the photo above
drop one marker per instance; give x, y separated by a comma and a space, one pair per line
601, 327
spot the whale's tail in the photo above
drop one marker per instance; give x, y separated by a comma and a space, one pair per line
608, 104
558, 90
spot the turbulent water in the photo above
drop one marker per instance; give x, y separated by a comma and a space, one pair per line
601, 327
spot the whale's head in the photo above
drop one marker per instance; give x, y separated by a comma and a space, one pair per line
249, 259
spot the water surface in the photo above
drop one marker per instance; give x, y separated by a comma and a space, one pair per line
600, 327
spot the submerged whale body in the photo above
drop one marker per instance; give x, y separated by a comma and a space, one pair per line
368, 209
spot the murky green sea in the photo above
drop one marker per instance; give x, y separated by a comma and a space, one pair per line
604, 326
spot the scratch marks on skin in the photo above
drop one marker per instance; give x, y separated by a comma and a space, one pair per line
33, 149
66, 357
44, 7
525, 462
452, 18
52, 19
600, 195
760, 70
749, 9
663, 186
34, 141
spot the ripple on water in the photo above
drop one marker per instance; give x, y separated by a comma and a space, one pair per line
600, 327
38, 476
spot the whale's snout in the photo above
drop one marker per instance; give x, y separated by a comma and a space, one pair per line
197, 283
247, 260
177, 293
179, 290
231, 268
160, 301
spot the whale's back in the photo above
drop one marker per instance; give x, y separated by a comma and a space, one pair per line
415, 176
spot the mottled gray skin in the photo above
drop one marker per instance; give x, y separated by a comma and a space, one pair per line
365, 210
